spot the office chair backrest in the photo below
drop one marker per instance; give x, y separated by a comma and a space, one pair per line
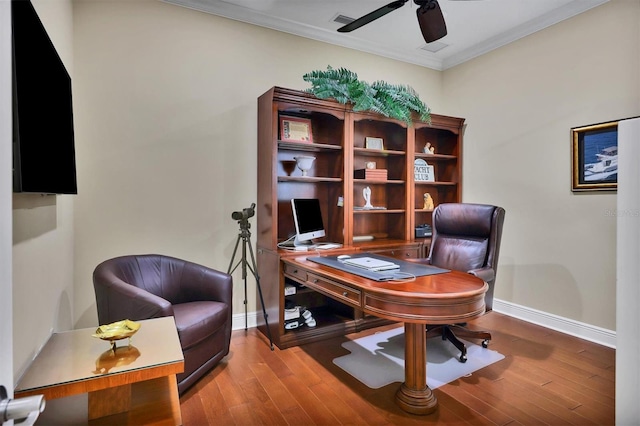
467, 237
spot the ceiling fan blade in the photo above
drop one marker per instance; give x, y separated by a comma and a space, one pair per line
378, 13
431, 21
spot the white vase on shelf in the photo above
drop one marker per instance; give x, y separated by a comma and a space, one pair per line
304, 163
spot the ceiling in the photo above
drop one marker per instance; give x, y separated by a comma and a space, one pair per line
474, 27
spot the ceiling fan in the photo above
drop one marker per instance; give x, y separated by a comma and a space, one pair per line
430, 18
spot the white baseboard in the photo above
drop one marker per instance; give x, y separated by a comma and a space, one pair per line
578, 329
238, 321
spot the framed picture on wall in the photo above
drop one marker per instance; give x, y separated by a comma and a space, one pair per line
595, 157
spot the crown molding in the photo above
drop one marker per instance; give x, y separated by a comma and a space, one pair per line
416, 56
565, 12
413, 56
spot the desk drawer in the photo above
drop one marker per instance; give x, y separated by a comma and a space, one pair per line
297, 274
338, 291
400, 253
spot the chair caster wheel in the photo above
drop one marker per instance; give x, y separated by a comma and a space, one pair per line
463, 358
485, 343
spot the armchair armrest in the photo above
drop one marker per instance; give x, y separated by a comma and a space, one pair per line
201, 283
485, 274
117, 300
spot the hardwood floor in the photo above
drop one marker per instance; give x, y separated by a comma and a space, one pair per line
546, 378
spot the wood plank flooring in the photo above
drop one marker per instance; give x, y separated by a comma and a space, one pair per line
546, 378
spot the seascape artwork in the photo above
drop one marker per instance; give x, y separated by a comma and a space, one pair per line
601, 156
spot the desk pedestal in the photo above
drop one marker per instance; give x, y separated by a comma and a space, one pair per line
414, 396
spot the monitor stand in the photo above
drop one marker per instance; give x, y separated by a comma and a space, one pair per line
307, 243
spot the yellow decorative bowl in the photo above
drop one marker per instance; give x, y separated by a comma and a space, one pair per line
117, 331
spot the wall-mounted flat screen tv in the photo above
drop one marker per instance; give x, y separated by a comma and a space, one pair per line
43, 138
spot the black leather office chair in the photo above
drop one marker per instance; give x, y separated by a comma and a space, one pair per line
466, 237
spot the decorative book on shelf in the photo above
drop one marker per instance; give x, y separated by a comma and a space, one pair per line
373, 174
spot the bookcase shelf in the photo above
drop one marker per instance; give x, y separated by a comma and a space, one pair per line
307, 179
307, 147
339, 146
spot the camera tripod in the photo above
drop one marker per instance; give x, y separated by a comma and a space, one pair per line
245, 236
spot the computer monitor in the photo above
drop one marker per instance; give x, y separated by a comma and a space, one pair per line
308, 220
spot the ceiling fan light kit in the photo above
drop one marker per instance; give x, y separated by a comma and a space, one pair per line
430, 18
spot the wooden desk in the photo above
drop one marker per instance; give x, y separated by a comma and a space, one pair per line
136, 385
447, 298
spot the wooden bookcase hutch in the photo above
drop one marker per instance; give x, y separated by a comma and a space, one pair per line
339, 135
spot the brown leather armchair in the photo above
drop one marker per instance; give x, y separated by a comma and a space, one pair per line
466, 237
140, 287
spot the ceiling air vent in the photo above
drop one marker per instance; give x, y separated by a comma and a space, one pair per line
344, 20
434, 47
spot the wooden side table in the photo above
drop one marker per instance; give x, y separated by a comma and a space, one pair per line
136, 384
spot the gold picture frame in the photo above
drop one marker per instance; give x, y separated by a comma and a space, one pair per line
295, 129
373, 143
595, 157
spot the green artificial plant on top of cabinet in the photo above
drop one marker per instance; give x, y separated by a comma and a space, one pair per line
391, 100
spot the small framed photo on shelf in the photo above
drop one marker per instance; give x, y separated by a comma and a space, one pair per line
423, 172
595, 157
295, 129
373, 143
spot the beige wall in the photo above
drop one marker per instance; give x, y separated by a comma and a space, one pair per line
166, 128
520, 101
165, 107
43, 234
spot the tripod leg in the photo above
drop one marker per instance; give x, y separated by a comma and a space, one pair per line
255, 274
244, 277
233, 256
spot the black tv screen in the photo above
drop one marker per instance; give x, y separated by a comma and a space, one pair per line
43, 139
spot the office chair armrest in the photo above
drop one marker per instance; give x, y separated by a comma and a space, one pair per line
485, 274
421, 261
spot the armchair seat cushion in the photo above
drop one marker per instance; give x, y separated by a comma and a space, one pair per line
197, 321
